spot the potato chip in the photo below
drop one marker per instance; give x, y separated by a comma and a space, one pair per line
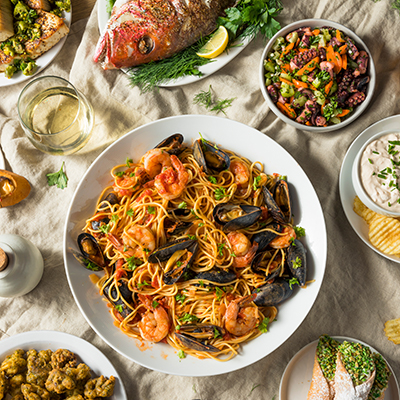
363, 211
392, 330
384, 232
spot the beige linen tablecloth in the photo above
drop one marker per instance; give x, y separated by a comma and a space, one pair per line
360, 290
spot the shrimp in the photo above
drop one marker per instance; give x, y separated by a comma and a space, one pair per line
240, 172
240, 317
140, 238
242, 248
172, 182
155, 161
285, 240
155, 323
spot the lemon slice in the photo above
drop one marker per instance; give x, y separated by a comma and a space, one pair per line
216, 44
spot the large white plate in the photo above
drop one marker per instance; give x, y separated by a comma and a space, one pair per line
2, 163
206, 70
245, 141
346, 189
296, 378
53, 340
42, 62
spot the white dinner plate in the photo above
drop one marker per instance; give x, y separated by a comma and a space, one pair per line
245, 141
346, 189
2, 163
53, 340
42, 62
206, 70
296, 378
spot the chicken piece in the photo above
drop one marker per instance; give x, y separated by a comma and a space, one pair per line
14, 363
15, 383
81, 373
53, 30
39, 4
99, 387
58, 381
3, 385
6, 20
62, 358
34, 392
39, 366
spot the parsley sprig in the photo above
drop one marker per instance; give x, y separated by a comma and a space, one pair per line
58, 178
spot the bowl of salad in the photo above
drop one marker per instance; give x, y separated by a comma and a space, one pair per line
317, 75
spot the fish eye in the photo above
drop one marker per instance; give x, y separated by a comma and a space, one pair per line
146, 45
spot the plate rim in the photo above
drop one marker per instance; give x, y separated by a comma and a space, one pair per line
321, 256
314, 343
24, 338
345, 173
219, 62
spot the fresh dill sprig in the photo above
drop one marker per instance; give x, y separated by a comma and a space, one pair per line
155, 73
206, 99
395, 4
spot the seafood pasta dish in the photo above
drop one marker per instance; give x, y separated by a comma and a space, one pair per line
197, 246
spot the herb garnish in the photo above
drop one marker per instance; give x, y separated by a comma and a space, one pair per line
105, 228
133, 263
220, 247
263, 327
256, 182
140, 285
58, 178
219, 193
188, 318
300, 232
326, 354
293, 281
297, 263
219, 293
151, 210
180, 297
206, 99
130, 212
182, 205
155, 303
212, 179
119, 308
181, 354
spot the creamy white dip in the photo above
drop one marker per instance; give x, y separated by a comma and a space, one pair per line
379, 172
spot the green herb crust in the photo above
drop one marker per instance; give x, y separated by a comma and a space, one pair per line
381, 379
358, 361
326, 354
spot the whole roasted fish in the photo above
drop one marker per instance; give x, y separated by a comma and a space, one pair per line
140, 31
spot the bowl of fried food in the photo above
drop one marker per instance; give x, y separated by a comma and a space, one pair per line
317, 75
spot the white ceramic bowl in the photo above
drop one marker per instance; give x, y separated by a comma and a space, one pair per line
317, 23
357, 184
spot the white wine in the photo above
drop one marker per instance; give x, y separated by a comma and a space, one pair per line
58, 120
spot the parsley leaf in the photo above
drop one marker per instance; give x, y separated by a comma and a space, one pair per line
58, 178
219, 293
114, 218
263, 327
140, 285
151, 210
220, 247
155, 303
297, 263
212, 179
180, 297
300, 232
181, 354
133, 263
256, 182
120, 174
292, 282
188, 318
182, 205
130, 212
219, 193
105, 228
119, 308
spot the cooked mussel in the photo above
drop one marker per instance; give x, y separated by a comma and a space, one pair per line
265, 237
296, 260
216, 276
179, 255
263, 264
119, 295
233, 217
173, 225
97, 224
271, 294
173, 144
111, 198
84, 261
90, 249
272, 207
282, 199
209, 157
194, 336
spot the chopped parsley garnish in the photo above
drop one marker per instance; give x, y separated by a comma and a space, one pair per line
130, 212
128, 162
181, 354
131, 175
91, 265
155, 303
194, 213
151, 210
182, 205
219, 293
58, 178
212, 179
217, 333
120, 174
293, 281
105, 228
133, 263
140, 285
221, 247
263, 327
114, 218
370, 161
188, 318
192, 237
180, 297
297, 263
201, 224
300, 232
119, 308
219, 193
256, 182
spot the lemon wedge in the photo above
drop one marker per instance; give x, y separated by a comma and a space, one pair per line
216, 44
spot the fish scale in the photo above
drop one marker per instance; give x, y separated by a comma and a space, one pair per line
141, 31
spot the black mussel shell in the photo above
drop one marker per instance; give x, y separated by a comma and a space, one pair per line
265, 237
216, 276
256, 267
112, 295
233, 217
296, 260
97, 224
271, 294
110, 198
85, 262
209, 157
202, 330
173, 225
272, 207
173, 144
163, 253
283, 200
90, 249
193, 343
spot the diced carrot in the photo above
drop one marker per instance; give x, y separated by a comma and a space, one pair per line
316, 32
300, 50
300, 84
291, 100
308, 123
344, 61
286, 67
330, 54
338, 62
343, 113
339, 36
284, 109
286, 81
322, 107
342, 49
310, 66
328, 87
287, 49
297, 42
291, 110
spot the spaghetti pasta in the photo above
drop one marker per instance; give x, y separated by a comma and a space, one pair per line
183, 240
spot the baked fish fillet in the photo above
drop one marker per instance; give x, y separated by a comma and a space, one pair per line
140, 31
